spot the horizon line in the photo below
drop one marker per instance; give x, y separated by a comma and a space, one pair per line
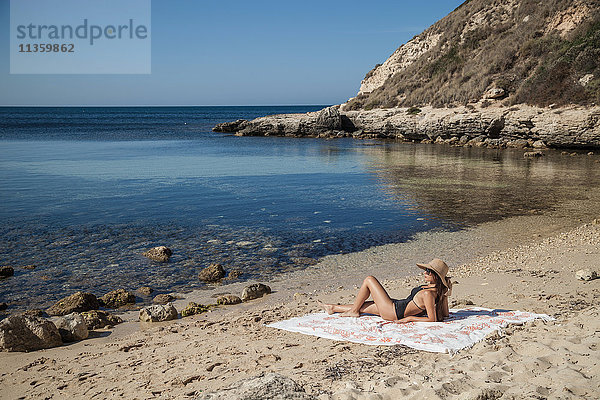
169, 105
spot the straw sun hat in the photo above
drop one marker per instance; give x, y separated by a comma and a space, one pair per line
440, 268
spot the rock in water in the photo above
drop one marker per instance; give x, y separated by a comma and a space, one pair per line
269, 386
77, 302
6, 271
117, 298
163, 299
255, 291
160, 254
228, 299
72, 327
193, 309
586, 274
158, 313
212, 273
28, 333
96, 319
230, 127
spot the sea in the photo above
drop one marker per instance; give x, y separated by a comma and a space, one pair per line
86, 190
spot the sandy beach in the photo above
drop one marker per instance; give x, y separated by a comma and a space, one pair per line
525, 263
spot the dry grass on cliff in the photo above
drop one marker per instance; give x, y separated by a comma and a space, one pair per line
515, 54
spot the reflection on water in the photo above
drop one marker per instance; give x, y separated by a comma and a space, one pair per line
474, 185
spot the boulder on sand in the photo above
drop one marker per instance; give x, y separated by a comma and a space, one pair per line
160, 254
228, 299
96, 319
193, 309
255, 291
117, 298
77, 302
163, 299
28, 333
158, 312
72, 327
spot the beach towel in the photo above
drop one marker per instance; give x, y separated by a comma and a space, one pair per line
461, 330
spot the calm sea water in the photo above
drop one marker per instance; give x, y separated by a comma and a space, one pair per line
86, 190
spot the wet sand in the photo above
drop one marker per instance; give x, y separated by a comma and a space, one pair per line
525, 263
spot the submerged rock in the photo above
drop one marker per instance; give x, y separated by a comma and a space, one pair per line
193, 309
228, 299
6, 271
72, 327
158, 312
212, 273
28, 333
255, 291
234, 274
3, 306
265, 386
533, 154
117, 298
163, 299
160, 254
77, 302
145, 290
96, 319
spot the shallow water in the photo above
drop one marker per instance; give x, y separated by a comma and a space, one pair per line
83, 198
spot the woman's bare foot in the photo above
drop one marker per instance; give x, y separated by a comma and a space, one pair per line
350, 313
327, 307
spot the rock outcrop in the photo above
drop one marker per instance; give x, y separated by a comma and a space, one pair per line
77, 302
28, 333
158, 312
269, 386
520, 126
117, 298
72, 327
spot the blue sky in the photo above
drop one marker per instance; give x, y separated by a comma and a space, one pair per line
240, 53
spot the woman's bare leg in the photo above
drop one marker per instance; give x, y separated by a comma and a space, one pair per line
381, 305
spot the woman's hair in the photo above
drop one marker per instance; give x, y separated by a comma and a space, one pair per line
440, 292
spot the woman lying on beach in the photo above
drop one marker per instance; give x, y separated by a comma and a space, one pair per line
426, 303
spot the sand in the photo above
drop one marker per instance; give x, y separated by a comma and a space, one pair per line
526, 263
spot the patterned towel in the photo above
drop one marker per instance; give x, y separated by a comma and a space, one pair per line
462, 329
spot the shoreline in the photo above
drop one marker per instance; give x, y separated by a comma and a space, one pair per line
172, 359
473, 125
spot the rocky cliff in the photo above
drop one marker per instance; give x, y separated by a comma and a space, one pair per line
513, 51
492, 73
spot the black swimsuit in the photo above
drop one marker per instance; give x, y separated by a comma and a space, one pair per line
400, 305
